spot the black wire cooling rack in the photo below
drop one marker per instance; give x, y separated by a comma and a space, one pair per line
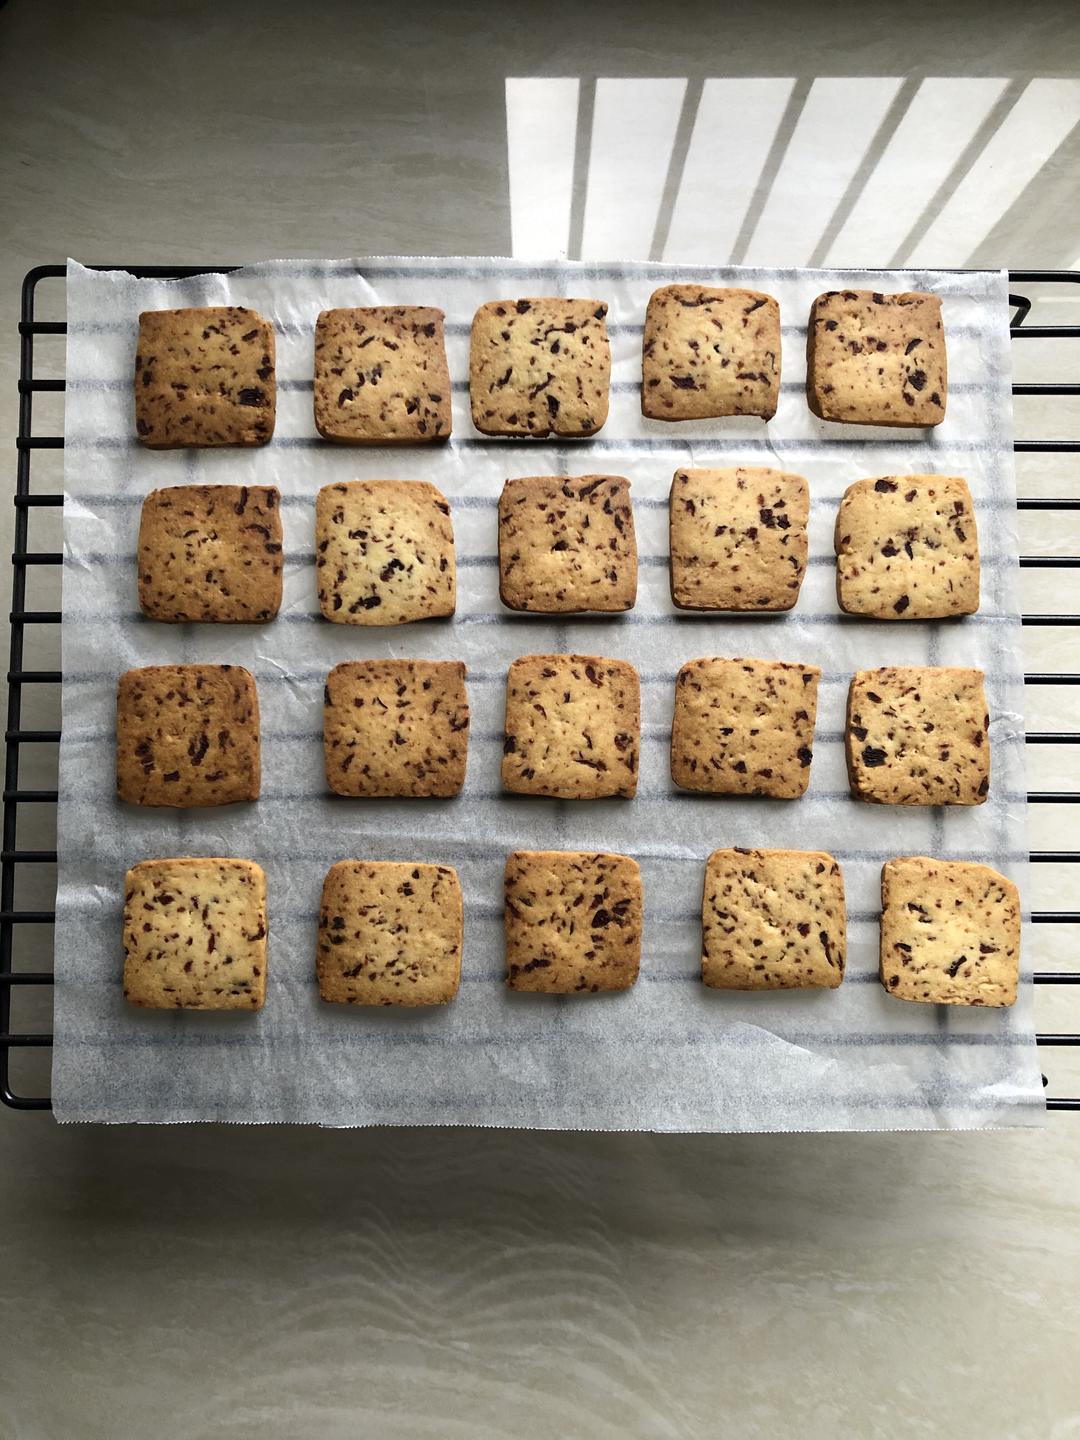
27, 628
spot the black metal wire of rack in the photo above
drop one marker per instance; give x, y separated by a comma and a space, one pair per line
13, 920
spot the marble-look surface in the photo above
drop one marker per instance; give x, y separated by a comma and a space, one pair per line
199, 1282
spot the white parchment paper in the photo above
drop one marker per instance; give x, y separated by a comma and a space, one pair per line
668, 1054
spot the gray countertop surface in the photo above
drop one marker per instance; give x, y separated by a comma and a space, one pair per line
199, 1281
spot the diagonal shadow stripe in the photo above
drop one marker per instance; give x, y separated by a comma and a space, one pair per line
1051, 192
1008, 98
771, 168
875, 150
582, 150
676, 165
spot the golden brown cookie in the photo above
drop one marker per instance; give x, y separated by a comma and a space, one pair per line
874, 359
384, 552
396, 727
918, 735
707, 353
539, 367
204, 377
573, 921
381, 376
187, 735
567, 545
907, 548
950, 932
573, 727
389, 934
773, 920
211, 553
744, 727
195, 934
738, 539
